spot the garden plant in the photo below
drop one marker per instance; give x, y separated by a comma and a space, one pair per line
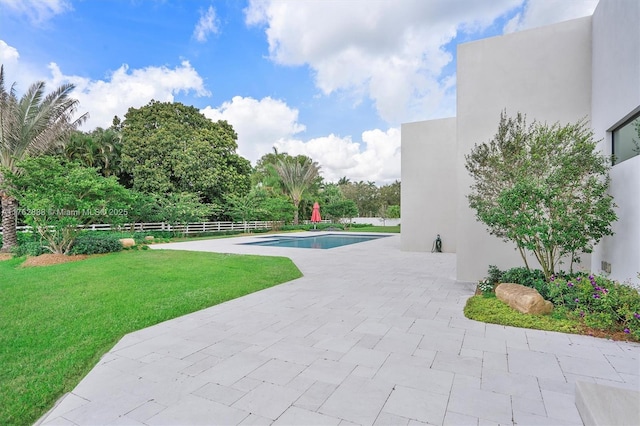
544, 188
583, 303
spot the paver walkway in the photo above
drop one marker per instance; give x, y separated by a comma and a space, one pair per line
369, 335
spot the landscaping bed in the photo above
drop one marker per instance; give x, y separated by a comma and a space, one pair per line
583, 304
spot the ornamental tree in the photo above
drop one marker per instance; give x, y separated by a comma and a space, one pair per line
57, 196
543, 187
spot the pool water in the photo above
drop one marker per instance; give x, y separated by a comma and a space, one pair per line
326, 241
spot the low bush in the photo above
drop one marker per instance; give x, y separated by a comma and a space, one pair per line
96, 243
600, 302
533, 278
157, 235
29, 248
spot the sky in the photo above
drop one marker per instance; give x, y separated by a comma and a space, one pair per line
331, 79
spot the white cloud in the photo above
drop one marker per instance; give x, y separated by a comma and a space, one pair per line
207, 24
16, 70
9, 57
128, 88
8, 54
258, 123
265, 123
376, 158
392, 53
38, 11
537, 13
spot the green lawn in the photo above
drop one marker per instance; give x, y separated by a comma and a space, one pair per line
57, 321
384, 229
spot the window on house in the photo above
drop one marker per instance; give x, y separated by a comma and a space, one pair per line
626, 140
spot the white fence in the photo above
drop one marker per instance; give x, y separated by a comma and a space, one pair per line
187, 228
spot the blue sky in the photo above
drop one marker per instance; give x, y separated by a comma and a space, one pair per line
332, 79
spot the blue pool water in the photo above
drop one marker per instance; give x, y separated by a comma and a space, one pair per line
327, 241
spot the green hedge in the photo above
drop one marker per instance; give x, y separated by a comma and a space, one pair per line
96, 243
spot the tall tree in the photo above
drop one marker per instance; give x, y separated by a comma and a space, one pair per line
297, 177
30, 126
366, 195
390, 194
544, 187
169, 147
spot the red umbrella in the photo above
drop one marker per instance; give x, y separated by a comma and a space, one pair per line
315, 216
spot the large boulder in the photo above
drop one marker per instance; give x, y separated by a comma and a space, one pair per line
127, 242
523, 299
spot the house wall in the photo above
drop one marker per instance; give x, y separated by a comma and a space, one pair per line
428, 185
544, 73
616, 96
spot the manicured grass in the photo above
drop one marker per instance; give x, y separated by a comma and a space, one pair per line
57, 321
490, 309
384, 229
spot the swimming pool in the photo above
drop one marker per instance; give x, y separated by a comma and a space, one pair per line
326, 241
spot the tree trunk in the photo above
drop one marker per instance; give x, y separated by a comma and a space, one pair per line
295, 214
9, 211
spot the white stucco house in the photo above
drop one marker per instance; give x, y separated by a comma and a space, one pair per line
587, 67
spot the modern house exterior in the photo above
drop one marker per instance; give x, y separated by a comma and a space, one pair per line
587, 67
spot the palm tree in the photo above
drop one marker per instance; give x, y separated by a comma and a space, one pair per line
344, 181
30, 126
80, 147
99, 149
297, 177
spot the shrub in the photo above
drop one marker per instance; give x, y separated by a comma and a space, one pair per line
486, 286
533, 278
602, 303
96, 243
494, 275
30, 248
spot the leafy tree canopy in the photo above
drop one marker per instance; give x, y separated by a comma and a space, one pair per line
169, 147
366, 196
56, 196
341, 210
390, 194
542, 186
99, 148
330, 193
265, 173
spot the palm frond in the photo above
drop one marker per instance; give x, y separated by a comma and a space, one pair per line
36, 123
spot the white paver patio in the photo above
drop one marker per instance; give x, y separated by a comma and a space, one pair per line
369, 335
